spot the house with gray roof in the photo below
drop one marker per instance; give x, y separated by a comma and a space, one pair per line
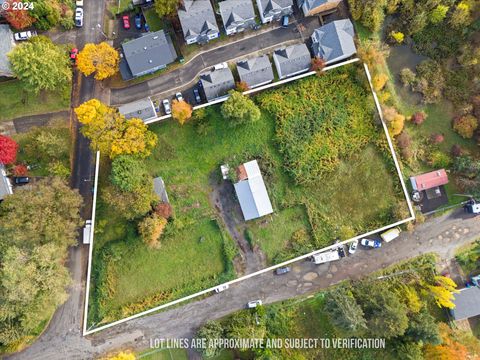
313, 7
141, 109
256, 71
237, 15
198, 21
151, 52
467, 303
334, 41
273, 10
292, 60
251, 192
5, 185
217, 83
6, 45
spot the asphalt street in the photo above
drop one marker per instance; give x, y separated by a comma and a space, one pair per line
440, 235
185, 76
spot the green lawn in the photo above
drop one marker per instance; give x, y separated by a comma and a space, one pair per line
163, 354
152, 19
15, 102
129, 277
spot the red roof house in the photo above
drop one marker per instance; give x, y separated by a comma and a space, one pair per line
429, 180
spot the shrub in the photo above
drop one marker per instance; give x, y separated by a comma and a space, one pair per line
8, 150
437, 138
379, 81
394, 120
397, 36
438, 14
318, 64
242, 86
419, 117
430, 81
407, 77
128, 173
151, 228
239, 109
20, 170
164, 210
403, 140
439, 159
465, 126
211, 332
456, 150
476, 106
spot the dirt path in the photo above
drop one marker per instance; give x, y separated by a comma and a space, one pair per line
223, 197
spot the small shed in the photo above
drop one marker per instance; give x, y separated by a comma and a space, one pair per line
251, 192
429, 190
159, 188
467, 303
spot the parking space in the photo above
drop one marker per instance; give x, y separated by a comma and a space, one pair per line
126, 29
187, 94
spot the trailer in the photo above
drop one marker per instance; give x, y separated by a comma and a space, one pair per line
391, 234
86, 232
325, 257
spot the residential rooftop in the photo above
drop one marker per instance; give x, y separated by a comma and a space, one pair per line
142, 109
334, 41
255, 71
7, 43
292, 60
217, 83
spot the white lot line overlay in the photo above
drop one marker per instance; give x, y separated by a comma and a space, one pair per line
268, 269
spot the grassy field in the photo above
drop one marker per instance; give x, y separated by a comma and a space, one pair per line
128, 277
163, 354
152, 19
15, 102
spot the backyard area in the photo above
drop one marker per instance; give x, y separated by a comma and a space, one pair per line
318, 163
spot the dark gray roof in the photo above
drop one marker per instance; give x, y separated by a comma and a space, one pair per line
292, 59
5, 186
197, 17
271, 5
149, 52
467, 303
255, 71
235, 12
6, 45
217, 83
334, 41
141, 109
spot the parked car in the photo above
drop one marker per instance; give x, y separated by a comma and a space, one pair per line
24, 35
196, 93
73, 55
353, 247
78, 17
138, 22
371, 243
282, 270
126, 22
21, 180
156, 105
253, 304
221, 288
79, 3
341, 251
166, 106
285, 20
179, 96
220, 66
146, 27
391, 234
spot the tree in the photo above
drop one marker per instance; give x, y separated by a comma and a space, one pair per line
460, 16
40, 65
8, 150
422, 327
101, 59
465, 126
181, 111
247, 325
443, 291
211, 331
407, 77
438, 14
318, 64
128, 173
123, 355
130, 205
111, 133
394, 120
379, 81
397, 36
166, 7
164, 210
419, 117
239, 109
344, 311
19, 19
242, 86
151, 228
430, 81
449, 349
46, 13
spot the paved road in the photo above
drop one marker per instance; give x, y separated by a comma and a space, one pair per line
25, 123
185, 76
440, 235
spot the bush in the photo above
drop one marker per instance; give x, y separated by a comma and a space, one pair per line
430, 81
403, 140
394, 120
379, 81
437, 138
397, 36
128, 173
439, 159
465, 126
456, 150
164, 210
151, 228
419, 117
407, 77
211, 331
239, 109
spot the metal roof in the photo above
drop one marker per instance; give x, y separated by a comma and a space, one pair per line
140, 109
149, 52
292, 59
236, 12
6, 45
197, 18
217, 83
334, 41
467, 303
252, 193
255, 71
430, 180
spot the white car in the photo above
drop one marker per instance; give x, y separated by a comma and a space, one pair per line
220, 66
166, 106
371, 243
79, 3
78, 17
24, 35
179, 96
253, 304
353, 247
221, 288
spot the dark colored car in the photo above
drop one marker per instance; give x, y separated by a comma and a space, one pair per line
21, 180
282, 270
196, 93
126, 22
341, 251
138, 22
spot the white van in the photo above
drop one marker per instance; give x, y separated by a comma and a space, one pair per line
391, 234
324, 257
86, 232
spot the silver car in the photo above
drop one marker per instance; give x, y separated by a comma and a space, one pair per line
166, 106
24, 35
78, 17
253, 304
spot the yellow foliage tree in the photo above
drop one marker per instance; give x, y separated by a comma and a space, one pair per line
151, 228
411, 298
394, 120
379, 81
101, 59
397, 36
181, 111
123, 355
443, 291
111, 133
